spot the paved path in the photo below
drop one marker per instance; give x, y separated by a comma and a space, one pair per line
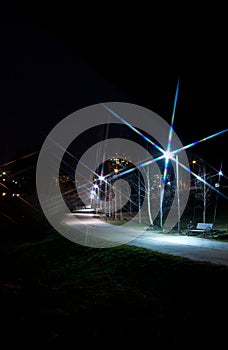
195, 248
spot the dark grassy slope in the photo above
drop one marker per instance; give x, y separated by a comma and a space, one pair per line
56, 292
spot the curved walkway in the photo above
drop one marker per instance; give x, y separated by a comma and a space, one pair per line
195, 248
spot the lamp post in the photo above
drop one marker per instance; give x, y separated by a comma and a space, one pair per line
139, 198
116, 171
97, 194
161, 201
101, 179
217, 185
178, 194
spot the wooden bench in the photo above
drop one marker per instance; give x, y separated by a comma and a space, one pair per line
206, 229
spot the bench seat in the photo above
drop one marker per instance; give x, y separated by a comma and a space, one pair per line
205, 228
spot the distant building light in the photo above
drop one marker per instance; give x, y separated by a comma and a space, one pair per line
3, 194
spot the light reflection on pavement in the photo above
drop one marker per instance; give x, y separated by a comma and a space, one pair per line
194, 248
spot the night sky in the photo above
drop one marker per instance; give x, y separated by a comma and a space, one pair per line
56, 60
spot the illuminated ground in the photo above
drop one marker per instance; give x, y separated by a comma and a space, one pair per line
195, 248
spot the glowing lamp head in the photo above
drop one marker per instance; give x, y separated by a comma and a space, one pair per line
101, 178
168, 155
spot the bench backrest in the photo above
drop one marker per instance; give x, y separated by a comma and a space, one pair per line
204, 226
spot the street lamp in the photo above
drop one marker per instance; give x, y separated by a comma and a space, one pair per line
178, 194
101, 178
217, 185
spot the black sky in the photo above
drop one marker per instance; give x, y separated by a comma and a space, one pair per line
57, 59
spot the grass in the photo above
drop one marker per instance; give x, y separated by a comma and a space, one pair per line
56, 292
